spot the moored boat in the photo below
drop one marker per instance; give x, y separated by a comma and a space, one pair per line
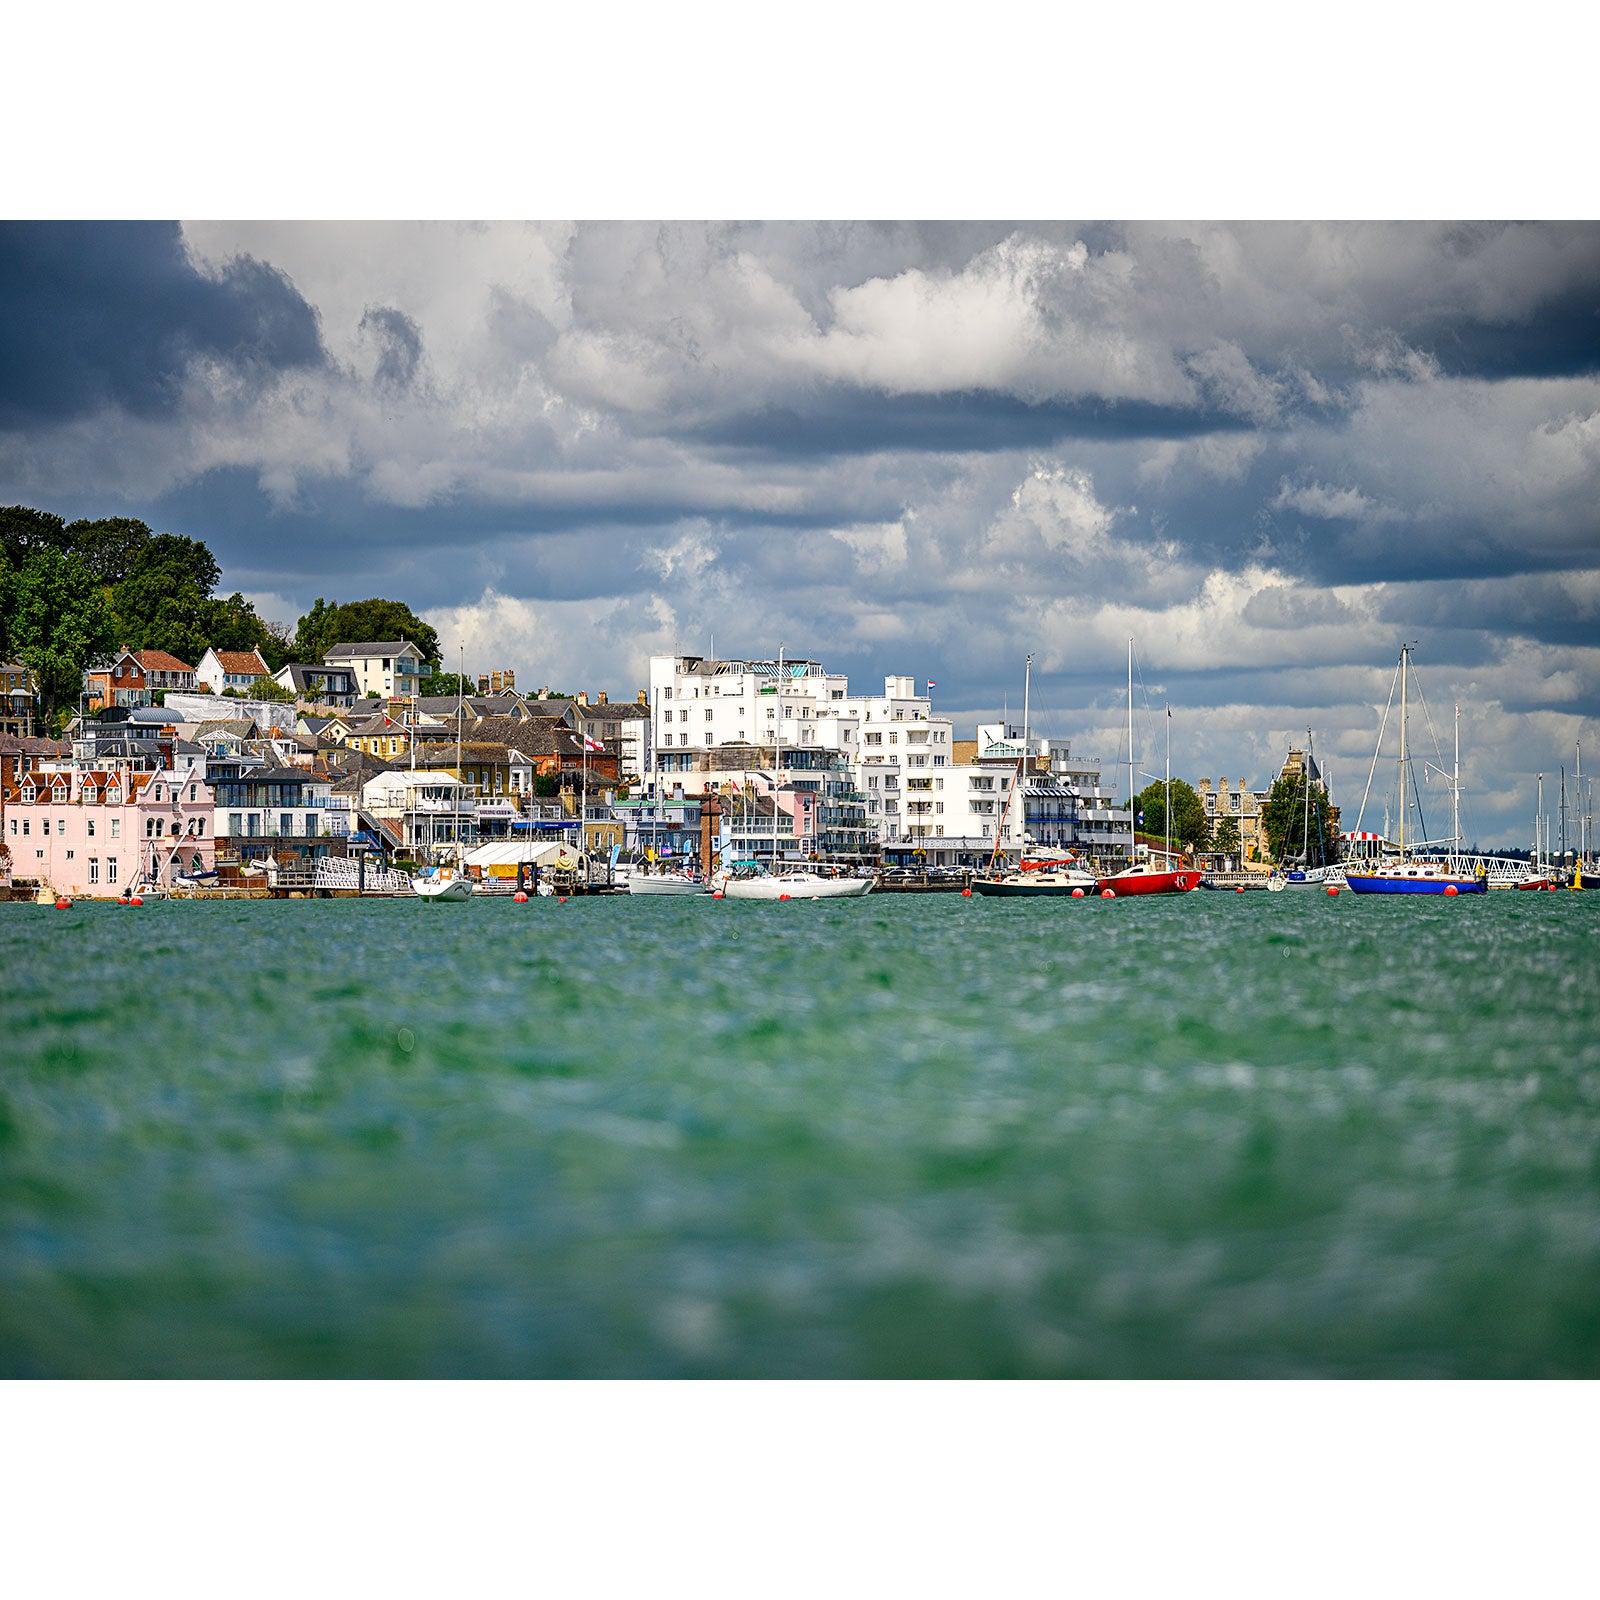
656, 883
1144, 879
1055, 878
750, 880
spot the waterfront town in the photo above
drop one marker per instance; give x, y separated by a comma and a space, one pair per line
223, 776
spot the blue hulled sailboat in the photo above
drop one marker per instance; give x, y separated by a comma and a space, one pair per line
1406, 873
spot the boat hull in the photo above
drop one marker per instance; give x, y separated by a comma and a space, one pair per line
1418, 883
665, 885
442, 888
1180, 882
796, 886
1034, 886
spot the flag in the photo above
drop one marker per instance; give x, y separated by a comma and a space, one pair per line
592, 744
932, 684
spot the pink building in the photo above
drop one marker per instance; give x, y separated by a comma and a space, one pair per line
90, 834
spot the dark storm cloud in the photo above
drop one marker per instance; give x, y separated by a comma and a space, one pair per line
399, 342
1561, 338
97, 313
839, 420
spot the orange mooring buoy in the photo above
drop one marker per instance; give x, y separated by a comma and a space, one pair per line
1333, 888
1108, 894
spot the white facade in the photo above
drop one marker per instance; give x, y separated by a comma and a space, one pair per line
384, 668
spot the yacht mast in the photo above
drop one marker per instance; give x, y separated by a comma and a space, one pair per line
1166, 804
1022, 762
1133, 843
1305, 826
1455, 792
777, 756
1405, 656
1538, 824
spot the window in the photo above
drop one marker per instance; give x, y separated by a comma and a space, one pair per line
683, 716
91, 827
44, 827
708, 713
94, 869
111, 869
116, 822
70, 855
666, 693
683, 738
192, 788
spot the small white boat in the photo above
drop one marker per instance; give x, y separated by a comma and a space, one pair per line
665, 883
442, 883
749, 880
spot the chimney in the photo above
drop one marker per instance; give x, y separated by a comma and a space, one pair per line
583, 697
644, 697
601, 698
483, 683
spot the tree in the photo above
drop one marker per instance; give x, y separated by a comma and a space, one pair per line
1283, 820
451, 683
270, 689
328, 623
1225, 840
110, 547
161, 604
23, 531
1189, 826
58, 621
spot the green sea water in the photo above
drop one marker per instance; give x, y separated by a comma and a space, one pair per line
1207, 1135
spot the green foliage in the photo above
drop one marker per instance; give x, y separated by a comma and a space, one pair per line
110, 547
443, 683
1225, 839
270, 689
57, 620
1189, 826
1283, 819
546, 785
24, 532
328, 623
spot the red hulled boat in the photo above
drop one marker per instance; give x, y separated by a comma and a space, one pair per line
1151, 880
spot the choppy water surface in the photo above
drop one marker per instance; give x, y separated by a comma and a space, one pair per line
1207, 1135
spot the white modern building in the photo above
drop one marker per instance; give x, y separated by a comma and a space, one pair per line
387, 668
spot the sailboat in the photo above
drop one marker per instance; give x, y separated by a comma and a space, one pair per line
1301, 873
448, 882
1038, 873
750, 880
1407, 873
1139, 877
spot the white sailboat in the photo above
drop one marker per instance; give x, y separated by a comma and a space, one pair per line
749, 880
448, 881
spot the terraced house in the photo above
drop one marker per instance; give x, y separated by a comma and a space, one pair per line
16, 700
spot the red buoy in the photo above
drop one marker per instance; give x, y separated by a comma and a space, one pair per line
716, 894
561, 899
122, 899
1450, 888
1108, 894
520, 898
1333, 888
62, 903
138, 900
966, 894
1077, 894
1238, 888
783, 897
